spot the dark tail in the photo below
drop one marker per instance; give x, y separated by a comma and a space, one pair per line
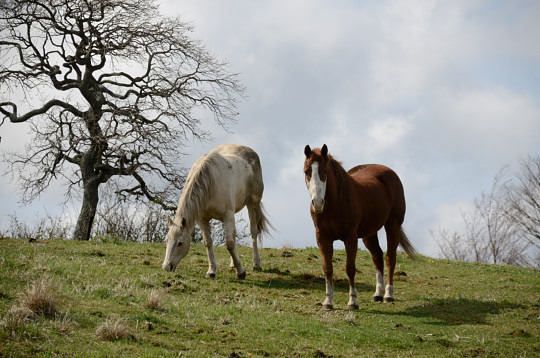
406, 245
263, 225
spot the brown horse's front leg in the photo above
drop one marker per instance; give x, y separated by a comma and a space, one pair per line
351, 246
327, 249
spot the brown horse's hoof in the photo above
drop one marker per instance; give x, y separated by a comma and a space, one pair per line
328, 307
241, 276
352, 307
388, 299
210, 275
257, 268
377, 299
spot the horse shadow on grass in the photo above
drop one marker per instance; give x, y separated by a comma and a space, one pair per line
285, 279
443, 311
454, 311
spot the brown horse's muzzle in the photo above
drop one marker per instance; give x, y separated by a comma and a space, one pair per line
318, 205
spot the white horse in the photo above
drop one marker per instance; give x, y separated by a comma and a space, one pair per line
218, 185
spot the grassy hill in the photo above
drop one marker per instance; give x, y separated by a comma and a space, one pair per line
95, 299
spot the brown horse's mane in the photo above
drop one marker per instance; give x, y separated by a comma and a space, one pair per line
340, 172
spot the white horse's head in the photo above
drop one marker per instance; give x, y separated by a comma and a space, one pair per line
315, 170
178, 241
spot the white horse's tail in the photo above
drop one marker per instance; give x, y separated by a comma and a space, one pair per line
263, 225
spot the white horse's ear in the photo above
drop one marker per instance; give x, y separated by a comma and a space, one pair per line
169, 221
307, 151
324, 150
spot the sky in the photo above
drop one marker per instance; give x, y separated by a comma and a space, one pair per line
444, 92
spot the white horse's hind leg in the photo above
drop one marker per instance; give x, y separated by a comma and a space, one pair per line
206, 234
253, 228
230, 242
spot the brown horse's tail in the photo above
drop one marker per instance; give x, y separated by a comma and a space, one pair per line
406, 245
263, 225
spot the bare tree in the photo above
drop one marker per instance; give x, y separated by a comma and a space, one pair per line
111, 90
452, 246
524, 200
503, 245
490, 235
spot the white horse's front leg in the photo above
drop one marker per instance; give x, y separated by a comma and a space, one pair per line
230, 242
206, 234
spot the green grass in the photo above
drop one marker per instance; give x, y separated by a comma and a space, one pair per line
442, 308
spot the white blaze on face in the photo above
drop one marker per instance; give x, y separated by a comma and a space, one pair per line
317, 188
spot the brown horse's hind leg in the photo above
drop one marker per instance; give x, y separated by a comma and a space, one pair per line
372, 244
392, 237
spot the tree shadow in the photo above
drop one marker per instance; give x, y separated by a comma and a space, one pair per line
455, 311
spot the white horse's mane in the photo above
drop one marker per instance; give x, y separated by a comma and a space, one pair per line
198, 187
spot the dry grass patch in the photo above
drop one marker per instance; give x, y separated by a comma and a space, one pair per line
153, 302
15, 318
113, 330
39, 299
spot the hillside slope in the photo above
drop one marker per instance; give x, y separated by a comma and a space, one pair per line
442, 308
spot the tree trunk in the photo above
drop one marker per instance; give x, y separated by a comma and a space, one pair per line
85, 221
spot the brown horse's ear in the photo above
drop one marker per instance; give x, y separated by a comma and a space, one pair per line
169, 221
324, 150
307, 151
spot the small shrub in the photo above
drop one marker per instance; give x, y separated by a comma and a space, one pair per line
112, 330
39, 299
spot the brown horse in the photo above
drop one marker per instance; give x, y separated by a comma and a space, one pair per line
355, 204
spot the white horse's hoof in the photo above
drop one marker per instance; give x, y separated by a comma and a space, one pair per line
328, 307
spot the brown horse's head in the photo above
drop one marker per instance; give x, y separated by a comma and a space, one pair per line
315, 170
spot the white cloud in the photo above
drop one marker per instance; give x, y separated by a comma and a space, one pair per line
388, 132
493, 124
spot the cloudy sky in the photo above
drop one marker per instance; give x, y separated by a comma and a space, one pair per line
444, 92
